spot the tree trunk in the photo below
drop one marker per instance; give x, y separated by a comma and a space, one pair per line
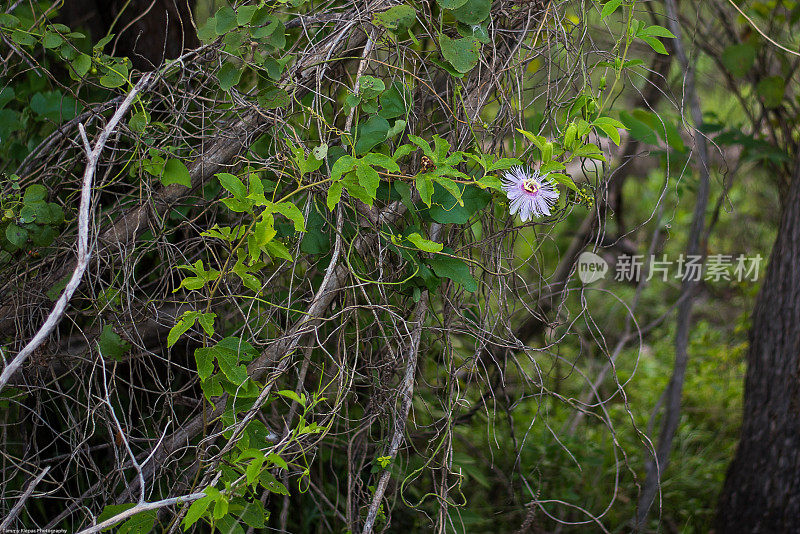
762, 488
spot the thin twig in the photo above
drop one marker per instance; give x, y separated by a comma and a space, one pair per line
17, 507
407, 395
142, 507
84, 250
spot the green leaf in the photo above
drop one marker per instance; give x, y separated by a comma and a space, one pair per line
115, 76
245, 14
317, 239
206, 320
771, 89
233, 184
609, 8
463, 54
141, 523
396, 18
229, 365
82, 64
204, 357
273, 98
225, 20
196, 511
423, 144
229, 75
9, 123
382, 160
395, 101
657, 31
111, 345
175, 172
23, 38
110, 510
228, 525
473, 12
293, 213
371, 133
51, 40
369, 179
590, 151
334, 195
34, 193
254, 515
655, 44
639, 130
16, 236
54, 106
739, 59
139, 121
491, 182
208, 31
454, 269
426, 245
305, 163
446, 209
185, 323
370, 87
451, 4
610, 127
424, 187
269, 481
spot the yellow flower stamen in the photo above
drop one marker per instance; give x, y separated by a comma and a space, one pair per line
531, 186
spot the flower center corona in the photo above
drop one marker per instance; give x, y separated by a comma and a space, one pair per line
531, 186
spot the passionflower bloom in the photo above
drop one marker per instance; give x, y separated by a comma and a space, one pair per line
529, 194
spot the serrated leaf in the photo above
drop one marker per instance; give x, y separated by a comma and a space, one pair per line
196, 511
141, 523
233, 184
253, 514
293, 213
657, 31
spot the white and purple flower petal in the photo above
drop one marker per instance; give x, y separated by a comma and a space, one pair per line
529, 194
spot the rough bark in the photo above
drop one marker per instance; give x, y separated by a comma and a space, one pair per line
762, 488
